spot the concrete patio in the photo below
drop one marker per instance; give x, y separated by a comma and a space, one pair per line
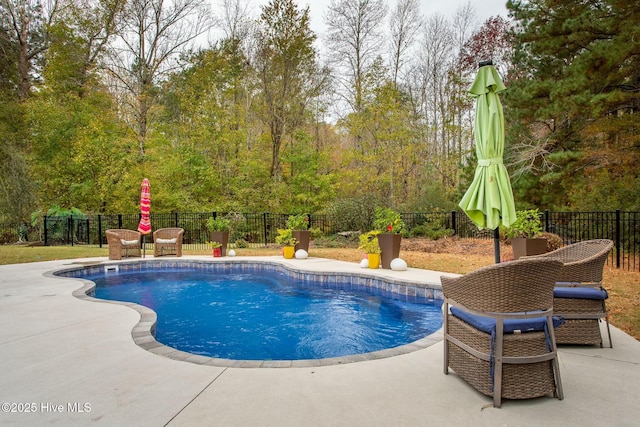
67, 361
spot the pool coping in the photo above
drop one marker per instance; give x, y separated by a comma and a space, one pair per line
143, 332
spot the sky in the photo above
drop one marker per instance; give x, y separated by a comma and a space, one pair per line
484, 9
318, 8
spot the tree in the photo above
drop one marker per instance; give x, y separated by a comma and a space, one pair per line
491, 41
79, 153
354, 38
405, 28
16, 187
78, 42
234, 22
24, 40
436, 61
288, 72
573, 102
205, 151
399, 156
438, 92
460, 104
154, 36
25, 23
9, 77
75, 144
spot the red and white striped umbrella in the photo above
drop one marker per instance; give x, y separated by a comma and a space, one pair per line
145, 207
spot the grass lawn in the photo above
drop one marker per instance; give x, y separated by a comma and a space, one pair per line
623, 286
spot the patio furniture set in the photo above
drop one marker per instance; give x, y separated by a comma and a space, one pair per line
503, 322
127, 243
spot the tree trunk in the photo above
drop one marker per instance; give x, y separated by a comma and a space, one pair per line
276, 142
23, 59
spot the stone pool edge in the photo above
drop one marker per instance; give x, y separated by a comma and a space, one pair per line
143, 332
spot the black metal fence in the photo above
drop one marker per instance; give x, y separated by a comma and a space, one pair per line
260, 229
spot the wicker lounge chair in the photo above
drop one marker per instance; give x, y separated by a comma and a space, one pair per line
499, 331
579, 295
167, 241
123, 243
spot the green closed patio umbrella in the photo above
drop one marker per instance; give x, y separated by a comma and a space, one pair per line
489, 199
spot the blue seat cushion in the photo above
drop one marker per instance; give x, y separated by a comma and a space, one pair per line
580, 293
488, 324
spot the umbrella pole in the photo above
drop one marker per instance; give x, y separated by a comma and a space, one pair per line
144, 245
496, 244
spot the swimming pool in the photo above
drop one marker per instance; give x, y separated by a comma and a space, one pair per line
265, 311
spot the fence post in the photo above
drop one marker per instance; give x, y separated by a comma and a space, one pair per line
546, 220
264, 222
70, 229
99, 230
44, 225
617, 238
453, 223
176, 218
119, 221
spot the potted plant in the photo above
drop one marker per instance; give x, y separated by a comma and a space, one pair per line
288, 242
526, 234
217, 248
390, 225
299, 225
369, 243
219, 230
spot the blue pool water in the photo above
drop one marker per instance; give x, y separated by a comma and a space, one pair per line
247, 316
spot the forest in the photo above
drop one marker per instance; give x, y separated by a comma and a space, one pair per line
226, 111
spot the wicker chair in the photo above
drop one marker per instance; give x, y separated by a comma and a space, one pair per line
579, 295
167, 241
123, 243
499, 329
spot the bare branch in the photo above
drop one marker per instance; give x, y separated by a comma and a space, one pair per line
155, 34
